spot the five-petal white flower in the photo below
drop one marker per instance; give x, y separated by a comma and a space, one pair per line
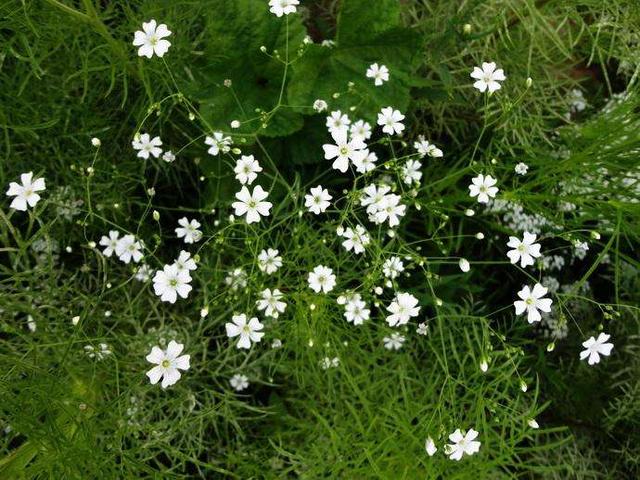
147, 146
596, 347
252, 204
532, 301
26, 194
170, 282
247, 169
317, 200
402, 308
151, 39
188, 230
344, 149
391, 121
283, 7
483, 188
168, 362
379, 73
525, 250
487, 77
269, 261
463, 444
322, 279
248, 331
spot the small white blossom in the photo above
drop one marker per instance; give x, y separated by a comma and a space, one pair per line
168, 362
128, 248
464, 265
379, 74
338, 121
247, 169
487, 77
26, 193
356, 239
170, 282
320, 105
394, 342
422, 329
237, 279
239, 382
326, 363
185, 262
218, 143
344, 150
283, 7
532, 301
402, 308
188, 230
147, 146
321, 279
524, 250
483, 188
463, 444
168, 157
390, 209
411, 172
143, 273
366, 163
391, 121
423, 147
392, 267
430, 447
596, 347
271, 303
252, 204
110, 243
360, 130
356, 311
521, 168
248, 331
269, 261
317, 201
151, 39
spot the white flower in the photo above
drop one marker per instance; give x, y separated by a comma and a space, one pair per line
488, 77
380, 74
532, 301
239, 382
26, 193
483, 188
464, 265
168, 156
271, 303
269, 261
246, 169
235, 124
360, 130
390, 209
430, 446
247, 331
252, 204
317, 201
373, 197
394, 342
356, 311
96, 142
218, 143
422, 329
524, 250
356, 239
143, 273
390, 121
110, 243
147, 145
595, 348
236, 279
521, 168
366, 163
411, 172
532, 423
402, 308
128, 248
150, 39
462, 444
320, 105
423, 147
344, 149
326, 363
283, 7
337, 121
99, 353
322, 279
168, 362
170, 282
185, 262
188, 230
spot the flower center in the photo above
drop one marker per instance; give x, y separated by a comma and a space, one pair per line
246, 329
252, 204
529, 301
344, 150
173, 282
166, 363
153, 39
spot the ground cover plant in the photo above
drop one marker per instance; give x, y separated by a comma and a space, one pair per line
319, 239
